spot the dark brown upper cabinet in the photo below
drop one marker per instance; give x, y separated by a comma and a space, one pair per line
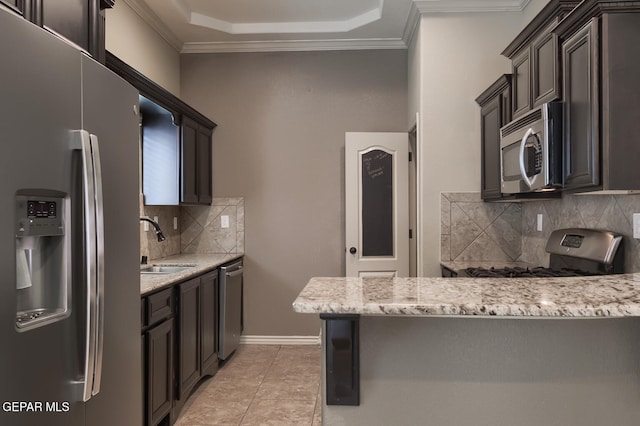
581, 121
535, 59
545, 75
196, 163
181, 139
495, 112
81, 22
601, 64
521, 68
15, 5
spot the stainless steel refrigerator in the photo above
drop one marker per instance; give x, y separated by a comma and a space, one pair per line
69, 234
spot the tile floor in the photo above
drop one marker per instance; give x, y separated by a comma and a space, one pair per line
260, 385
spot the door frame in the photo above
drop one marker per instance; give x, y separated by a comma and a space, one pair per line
398, 263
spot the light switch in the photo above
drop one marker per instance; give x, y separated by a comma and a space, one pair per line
539, 223
636, 225
224, 221
175, 222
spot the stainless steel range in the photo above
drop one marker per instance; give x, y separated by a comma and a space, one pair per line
573, 252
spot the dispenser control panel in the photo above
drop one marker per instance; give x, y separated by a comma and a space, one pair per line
39, 215
39, 208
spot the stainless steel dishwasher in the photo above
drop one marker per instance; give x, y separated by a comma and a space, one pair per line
230, 324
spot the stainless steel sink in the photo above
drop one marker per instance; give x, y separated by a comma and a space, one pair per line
164, 269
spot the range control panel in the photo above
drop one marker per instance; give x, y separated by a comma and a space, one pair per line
573, 241
589, 244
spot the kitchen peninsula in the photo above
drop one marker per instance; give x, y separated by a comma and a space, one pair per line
445, 351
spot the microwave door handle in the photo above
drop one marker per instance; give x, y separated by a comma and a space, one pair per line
523, 170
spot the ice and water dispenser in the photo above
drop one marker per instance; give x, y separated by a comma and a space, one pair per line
42, 258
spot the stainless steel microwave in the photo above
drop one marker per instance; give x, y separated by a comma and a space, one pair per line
531, 151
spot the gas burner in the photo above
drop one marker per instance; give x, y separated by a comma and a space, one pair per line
518, 272
573, 252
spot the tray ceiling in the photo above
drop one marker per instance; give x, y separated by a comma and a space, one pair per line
200, 26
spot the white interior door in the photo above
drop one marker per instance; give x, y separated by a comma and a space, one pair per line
377, 204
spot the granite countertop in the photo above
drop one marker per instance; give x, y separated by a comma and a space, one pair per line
596, 296
201, 264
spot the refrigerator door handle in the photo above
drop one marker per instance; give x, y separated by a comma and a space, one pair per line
99, 211
82, 141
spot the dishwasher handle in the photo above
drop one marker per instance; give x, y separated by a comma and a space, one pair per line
234, 273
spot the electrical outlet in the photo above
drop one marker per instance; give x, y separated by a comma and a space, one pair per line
224, 221
539, 222
636, 225
155, 219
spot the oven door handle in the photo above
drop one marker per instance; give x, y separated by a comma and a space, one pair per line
523, 171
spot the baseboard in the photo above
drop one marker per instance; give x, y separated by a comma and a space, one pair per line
280, 340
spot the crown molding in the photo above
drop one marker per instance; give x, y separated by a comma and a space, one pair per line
461, 6
294, 45
418, 8
147, 15
425, 7
411, 25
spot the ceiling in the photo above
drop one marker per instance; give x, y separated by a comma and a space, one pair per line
206, 26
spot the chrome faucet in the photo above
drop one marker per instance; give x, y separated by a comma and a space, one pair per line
159, 233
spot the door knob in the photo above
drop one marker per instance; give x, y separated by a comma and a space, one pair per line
353, 250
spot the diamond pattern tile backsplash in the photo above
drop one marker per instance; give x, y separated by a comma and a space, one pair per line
472, 230
202, 230
199, 229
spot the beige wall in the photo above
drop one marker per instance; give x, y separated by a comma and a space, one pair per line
132, 40
282, 116
280, 144
455, 57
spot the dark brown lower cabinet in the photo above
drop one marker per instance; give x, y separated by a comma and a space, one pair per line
159, 372
209, 323
197, 331
189, 336
179, 345
158, 357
